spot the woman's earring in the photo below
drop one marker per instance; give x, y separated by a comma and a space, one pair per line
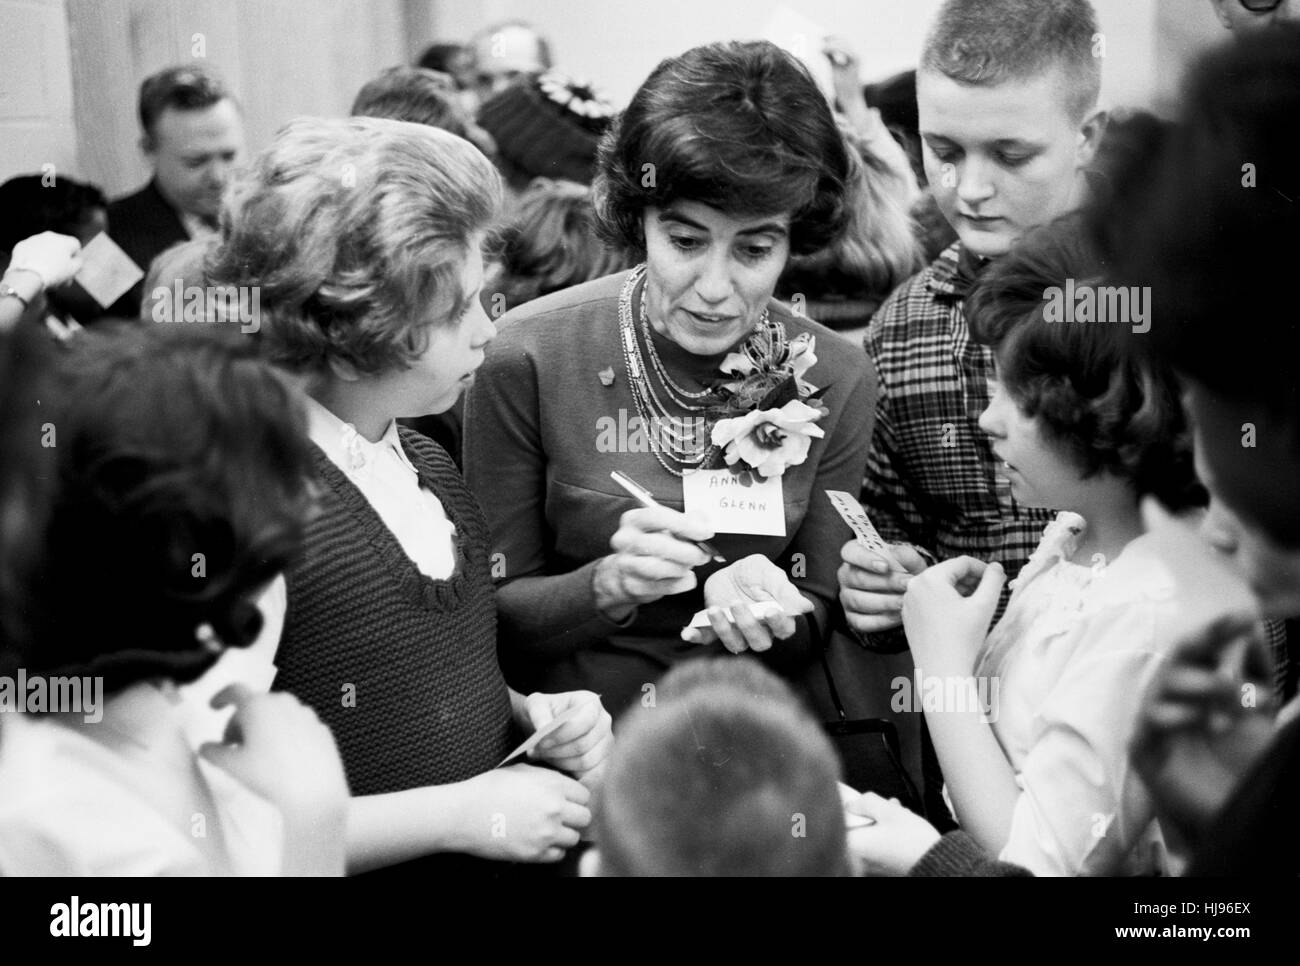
206, 636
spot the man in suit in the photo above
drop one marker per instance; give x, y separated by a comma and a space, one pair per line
193, 135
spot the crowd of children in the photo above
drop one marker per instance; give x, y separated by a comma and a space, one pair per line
1076, 431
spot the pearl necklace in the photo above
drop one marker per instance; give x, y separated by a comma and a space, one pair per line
675, 436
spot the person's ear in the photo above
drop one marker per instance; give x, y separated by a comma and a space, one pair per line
148, 147
589, 864
1091, 132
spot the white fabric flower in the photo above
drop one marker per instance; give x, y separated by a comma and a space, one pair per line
769, 440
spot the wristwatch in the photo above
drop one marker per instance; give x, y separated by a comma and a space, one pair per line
7, 290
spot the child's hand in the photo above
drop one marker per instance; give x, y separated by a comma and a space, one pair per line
522, 814
894, 843
1197, 734
275, 745
745, 582
947, 609
582, 744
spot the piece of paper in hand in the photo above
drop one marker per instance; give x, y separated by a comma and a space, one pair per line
760, 610
547, 729
851, 819
107, 273
851, 512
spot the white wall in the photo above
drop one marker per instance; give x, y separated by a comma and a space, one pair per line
616, 43
35, 89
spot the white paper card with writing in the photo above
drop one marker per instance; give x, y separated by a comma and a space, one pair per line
732, 507
851, 512
107, 272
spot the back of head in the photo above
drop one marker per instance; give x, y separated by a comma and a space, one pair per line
180, 267
546, 126
989, 42
413, 94
182, 491
1111, 406
878, 250
355, 233
188, 87
443, 58
513, 43
1210, 221
33, 204
26, 480
550, 243
725, 776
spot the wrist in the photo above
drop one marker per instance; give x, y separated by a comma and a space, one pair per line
450, 809
25, 270
23, 284
607, 589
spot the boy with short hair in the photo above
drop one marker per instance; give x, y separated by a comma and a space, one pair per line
725, 775
1006, 95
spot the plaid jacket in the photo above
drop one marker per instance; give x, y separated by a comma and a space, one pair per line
931, 475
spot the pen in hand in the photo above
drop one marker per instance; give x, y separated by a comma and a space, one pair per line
642, 496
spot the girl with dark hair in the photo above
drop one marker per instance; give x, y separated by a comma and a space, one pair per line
1037, 767
726, 162
166, 523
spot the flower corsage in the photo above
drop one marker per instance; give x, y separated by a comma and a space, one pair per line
768, 413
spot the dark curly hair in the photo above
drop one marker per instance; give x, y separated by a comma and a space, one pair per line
740, 127
31, 206
170, 444
1113, 408
1207, 215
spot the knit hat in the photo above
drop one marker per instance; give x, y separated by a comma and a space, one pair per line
548, 125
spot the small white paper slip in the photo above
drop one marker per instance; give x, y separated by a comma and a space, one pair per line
764, 608
732, 507
851, 819
549, 728
851, 512
107, 272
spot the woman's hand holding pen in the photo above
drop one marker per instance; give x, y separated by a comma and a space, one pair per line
655, 555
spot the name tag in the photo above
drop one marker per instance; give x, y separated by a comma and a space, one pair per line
734, 508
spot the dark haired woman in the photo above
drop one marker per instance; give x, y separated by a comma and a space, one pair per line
678, 373
1036, 761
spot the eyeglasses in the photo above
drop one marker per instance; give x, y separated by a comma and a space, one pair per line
1260, 6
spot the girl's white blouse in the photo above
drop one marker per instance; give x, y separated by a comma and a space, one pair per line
1079, 647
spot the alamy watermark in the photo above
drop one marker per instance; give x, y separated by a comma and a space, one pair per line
1101, 304
959, 693
629, 433
39, 694
240, 304
77, 919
